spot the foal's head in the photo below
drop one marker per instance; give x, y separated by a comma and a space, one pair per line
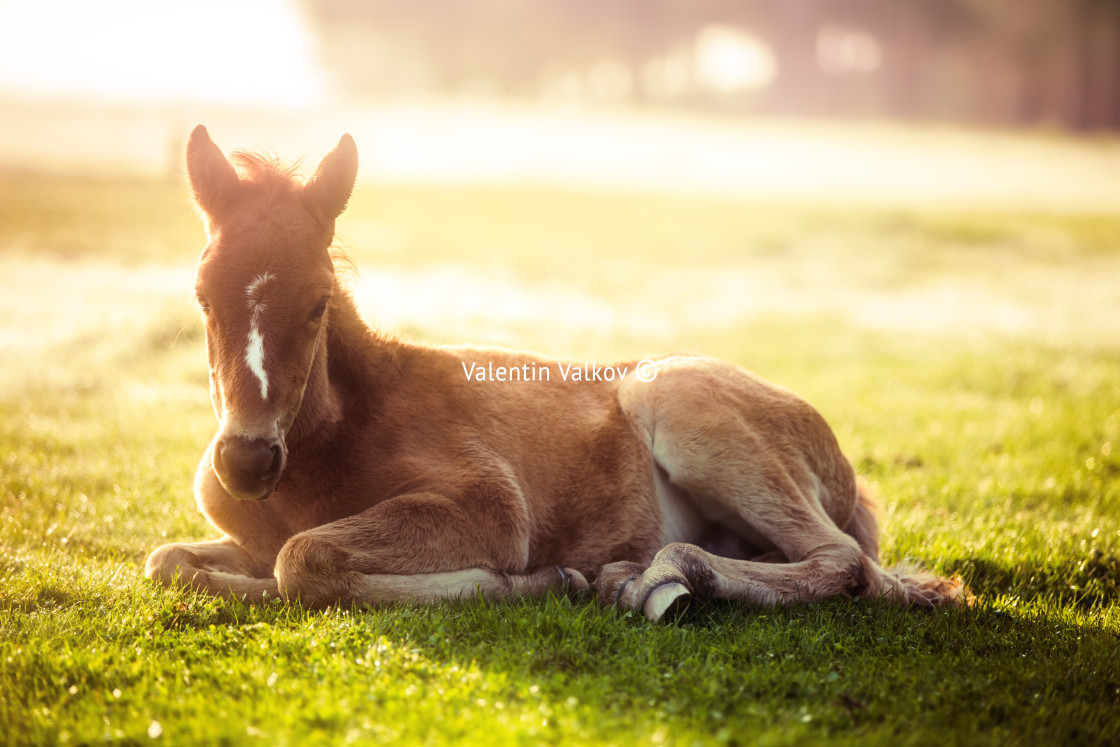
264, 285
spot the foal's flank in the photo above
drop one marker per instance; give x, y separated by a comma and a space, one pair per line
349, 466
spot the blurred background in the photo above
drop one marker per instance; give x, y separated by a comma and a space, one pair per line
585, 174
731, 96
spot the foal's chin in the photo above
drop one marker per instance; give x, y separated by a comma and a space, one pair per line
242, 495
246, 487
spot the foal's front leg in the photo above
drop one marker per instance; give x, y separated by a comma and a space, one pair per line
219, 567
419, 547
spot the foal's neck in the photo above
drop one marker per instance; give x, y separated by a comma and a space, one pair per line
353, 365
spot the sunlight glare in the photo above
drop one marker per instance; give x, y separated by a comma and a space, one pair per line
245, 52
730, 60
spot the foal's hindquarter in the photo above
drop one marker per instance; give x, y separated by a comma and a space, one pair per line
400, 478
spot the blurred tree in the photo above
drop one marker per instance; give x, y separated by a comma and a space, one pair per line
988, 61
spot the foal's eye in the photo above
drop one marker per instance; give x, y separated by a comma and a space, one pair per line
203, 304
319, 309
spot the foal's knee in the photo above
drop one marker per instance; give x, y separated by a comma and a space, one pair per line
312, 569
169, 564
687, 563
843, 570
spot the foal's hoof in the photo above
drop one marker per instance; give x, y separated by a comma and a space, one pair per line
574, 581
614, 578
671, 598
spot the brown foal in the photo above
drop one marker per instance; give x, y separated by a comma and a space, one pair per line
349, 466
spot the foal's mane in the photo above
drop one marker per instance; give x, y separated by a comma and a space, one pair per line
277, 177
267, 170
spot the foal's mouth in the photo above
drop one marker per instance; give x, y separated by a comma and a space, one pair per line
248, 468
240, 495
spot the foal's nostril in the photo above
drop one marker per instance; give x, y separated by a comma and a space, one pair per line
277, 460
218, 459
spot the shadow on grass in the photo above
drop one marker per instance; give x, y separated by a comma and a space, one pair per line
46, 599
1093, 582
853, 670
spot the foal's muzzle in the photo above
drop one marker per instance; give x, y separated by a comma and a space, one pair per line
248, 468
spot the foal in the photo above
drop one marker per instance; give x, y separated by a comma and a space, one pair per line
352, 467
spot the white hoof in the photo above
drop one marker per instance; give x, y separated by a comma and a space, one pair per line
664, 598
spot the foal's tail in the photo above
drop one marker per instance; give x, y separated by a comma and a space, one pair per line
908, 583
905, 582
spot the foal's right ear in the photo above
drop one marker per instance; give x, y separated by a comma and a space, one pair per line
212, 177
328, 191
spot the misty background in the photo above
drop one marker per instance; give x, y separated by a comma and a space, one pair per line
958, 100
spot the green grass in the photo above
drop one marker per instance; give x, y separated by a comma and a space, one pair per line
996, 455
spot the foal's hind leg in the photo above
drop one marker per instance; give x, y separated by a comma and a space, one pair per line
681, 570
825, 563
760, 463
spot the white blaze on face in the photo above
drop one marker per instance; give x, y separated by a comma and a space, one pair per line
254, 354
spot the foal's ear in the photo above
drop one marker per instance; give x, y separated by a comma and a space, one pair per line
212, 176
329, 189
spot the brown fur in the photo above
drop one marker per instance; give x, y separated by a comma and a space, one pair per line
374, 471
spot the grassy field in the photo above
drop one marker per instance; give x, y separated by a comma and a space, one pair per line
969, 362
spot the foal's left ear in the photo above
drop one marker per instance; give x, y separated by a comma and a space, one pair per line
212, 177
329, 189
